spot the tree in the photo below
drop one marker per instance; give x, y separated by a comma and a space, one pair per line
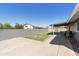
18, 26
7, 26
1, 26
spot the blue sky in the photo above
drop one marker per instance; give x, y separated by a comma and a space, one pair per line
36, 14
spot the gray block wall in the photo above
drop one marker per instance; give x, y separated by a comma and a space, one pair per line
12, 33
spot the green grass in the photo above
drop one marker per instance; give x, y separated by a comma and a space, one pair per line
39, 36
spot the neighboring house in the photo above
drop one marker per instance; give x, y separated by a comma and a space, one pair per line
28, 26
73, 22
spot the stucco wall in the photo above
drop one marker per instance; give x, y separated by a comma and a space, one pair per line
73, 27
76, 36
75, 31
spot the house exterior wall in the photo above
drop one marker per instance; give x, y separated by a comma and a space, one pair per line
76, 33
59, 29
74, 16
76, 36
73, 28
62, 29
55, 29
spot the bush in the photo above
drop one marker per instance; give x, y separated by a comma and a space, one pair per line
7, 26
1, 26
18, 26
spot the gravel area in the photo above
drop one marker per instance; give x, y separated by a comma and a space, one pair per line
75, 45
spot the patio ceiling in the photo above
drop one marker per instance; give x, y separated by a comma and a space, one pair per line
61, 24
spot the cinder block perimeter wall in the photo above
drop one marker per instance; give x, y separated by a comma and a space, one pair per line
12, 33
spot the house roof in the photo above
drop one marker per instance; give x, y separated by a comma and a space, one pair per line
75, 14
73, 18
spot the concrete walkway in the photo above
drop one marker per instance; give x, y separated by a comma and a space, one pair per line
27, 47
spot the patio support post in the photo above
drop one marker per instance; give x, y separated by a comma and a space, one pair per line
53, 30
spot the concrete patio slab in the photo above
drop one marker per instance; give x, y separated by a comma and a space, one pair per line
27, 47
23, 46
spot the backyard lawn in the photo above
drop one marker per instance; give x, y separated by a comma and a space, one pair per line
39, 36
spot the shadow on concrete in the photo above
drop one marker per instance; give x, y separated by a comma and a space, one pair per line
61, 40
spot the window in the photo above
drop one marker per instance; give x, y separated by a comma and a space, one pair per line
26, 26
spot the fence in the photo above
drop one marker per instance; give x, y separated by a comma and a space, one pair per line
12, 33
